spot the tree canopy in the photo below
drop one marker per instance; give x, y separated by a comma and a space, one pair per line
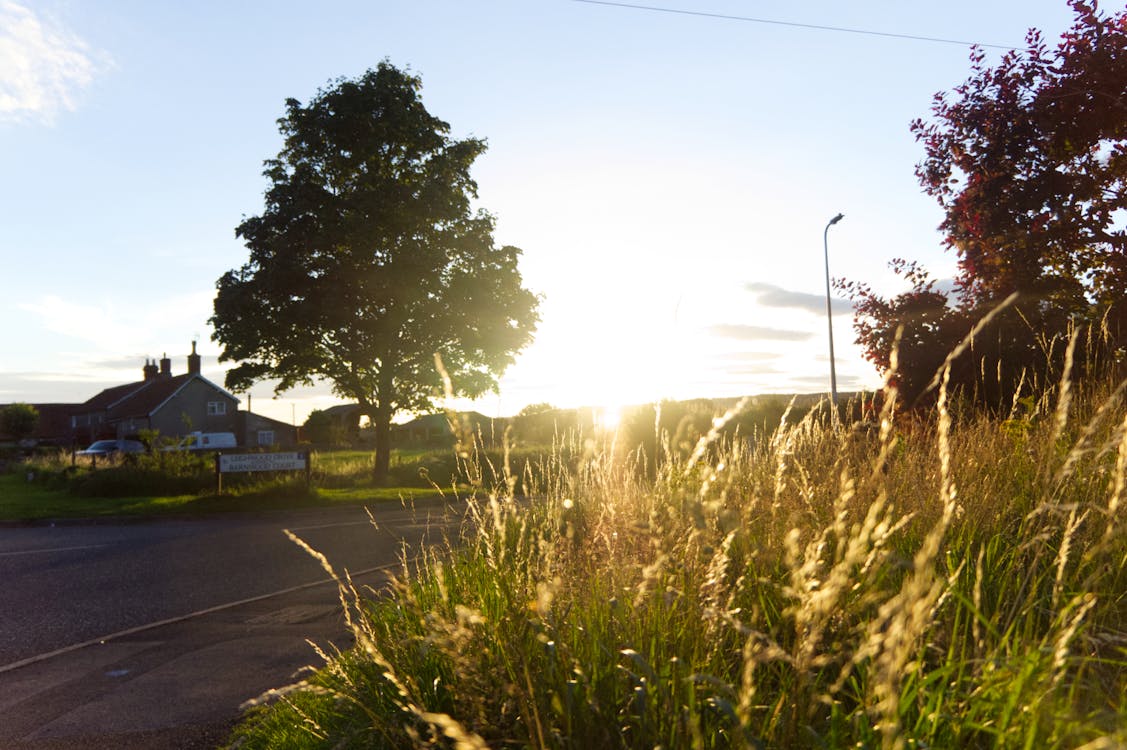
1028, 160
18, 420
368, 259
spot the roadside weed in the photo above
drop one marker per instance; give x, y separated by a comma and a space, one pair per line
944, 583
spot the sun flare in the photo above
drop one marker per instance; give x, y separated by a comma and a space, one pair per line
609, 417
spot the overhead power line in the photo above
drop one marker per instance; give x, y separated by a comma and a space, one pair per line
795, 24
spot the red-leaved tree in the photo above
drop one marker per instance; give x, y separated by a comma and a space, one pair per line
1028, 160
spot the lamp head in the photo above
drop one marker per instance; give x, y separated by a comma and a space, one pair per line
836, 219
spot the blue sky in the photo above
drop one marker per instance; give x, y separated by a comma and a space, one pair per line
668, 176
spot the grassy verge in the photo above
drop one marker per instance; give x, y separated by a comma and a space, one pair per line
957, 582
49, 487
21, 502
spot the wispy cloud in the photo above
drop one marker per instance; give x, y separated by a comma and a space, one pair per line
43, 65
726, 359
845, 382
769, 295
751, 370
50, 387
757, 333
121, 330
93, 323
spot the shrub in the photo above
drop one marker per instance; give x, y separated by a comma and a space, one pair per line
138, 480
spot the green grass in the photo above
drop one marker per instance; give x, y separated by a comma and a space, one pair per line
49, 487
953, 582
23, 500
20, 501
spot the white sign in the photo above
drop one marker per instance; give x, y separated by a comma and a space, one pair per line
237, 462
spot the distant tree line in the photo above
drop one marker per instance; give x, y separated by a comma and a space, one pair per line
665, 426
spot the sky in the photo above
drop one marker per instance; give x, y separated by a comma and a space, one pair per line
668, 176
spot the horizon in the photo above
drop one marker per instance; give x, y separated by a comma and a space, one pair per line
668, 176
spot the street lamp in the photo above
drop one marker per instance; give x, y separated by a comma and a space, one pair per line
829, 312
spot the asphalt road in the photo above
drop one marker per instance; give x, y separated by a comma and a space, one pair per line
151, 634
65, 584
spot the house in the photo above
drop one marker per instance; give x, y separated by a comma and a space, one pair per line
174, 405
171, 405
256, 431
345, 420
434, 430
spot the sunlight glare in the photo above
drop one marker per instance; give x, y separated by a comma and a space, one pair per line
610, 417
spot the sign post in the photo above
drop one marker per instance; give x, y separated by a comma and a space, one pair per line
233, 463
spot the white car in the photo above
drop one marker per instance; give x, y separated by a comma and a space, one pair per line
205, 441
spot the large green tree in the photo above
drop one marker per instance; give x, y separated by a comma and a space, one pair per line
369, 260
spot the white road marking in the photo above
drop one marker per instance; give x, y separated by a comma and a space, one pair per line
331, 525
51, 549
393, 522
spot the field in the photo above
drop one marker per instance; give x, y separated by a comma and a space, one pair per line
952, 580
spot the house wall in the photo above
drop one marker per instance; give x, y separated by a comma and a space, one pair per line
187, 411
130, 428
285, 436
88, 427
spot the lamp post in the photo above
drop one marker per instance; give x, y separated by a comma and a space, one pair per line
829, 312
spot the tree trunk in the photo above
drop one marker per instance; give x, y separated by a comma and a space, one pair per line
381, 420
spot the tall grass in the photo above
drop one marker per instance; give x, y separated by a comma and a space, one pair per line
953, 582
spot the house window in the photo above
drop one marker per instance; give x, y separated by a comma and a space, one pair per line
216, 408
265, 437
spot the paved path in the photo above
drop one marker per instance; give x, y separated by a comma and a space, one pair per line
151, 635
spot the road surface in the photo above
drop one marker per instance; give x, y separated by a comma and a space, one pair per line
150, 634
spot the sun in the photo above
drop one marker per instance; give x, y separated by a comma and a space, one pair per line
609, 418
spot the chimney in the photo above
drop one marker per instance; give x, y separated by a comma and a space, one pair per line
150, 369
165, 367
193, 361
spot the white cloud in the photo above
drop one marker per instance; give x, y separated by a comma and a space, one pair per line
138, 326
43, 65
769, 295
90, 323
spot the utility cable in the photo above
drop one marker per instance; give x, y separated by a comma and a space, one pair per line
795, 24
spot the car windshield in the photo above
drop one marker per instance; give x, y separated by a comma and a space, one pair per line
102, 445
